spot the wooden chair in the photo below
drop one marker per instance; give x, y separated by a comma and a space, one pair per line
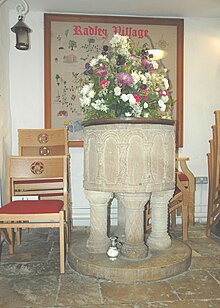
187, 179
43, 142
45, 177
179, 206
213, 212
46, 142
147, 221
4, 235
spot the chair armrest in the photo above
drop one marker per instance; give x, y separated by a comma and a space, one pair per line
185, 169
182, 158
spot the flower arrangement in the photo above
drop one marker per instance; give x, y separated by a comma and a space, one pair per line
125, 81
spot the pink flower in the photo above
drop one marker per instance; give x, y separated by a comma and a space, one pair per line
124, 79
104, 83
146, 64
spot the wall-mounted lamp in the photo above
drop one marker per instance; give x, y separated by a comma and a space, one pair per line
20, 28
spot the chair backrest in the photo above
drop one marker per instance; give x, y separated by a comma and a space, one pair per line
43, 142
216, 139
44, 177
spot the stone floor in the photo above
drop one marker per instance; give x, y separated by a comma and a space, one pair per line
30, 278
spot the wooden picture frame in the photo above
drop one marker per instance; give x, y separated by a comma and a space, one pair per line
63, 51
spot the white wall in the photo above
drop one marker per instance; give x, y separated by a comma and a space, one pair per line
201, 88
27, 78
5, 119
201, 97
201, 92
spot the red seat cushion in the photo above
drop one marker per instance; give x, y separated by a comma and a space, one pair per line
182, 177
32, 207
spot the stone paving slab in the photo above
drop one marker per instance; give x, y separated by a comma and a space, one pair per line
81, 291
22, 292
196, 284
137, 293
182, 304
205, 246
206, 262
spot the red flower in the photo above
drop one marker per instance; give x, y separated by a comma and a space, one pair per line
144, 94
104, 83
102, 71
163, 93
135, 56
137, 98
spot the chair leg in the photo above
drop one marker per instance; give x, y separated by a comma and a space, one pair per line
185, 219
62, 244
173, 219
11, 240
209, 221
4, 234
67, 236
18, 236
191, 209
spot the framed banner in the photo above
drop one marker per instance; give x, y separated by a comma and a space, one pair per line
72, 40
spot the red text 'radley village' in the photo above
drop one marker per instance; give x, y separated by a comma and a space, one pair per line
99, 31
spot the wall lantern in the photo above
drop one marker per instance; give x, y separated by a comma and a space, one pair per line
21, 29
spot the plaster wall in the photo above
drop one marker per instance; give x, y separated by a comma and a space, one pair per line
5, 123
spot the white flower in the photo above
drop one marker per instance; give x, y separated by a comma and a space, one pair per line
115, 40
117, 91
166, 83
85, 101
121, 43
85, 89
155, 65
162, 105
143, 78
104, 108
81, 101
98, 104
137, 110
145, 105
124, 97
131, 99
123, 51
93, 62
147, 76
136, 77
165, 98
127, 114
166, 117
91, 94
146, 115
101, 57
105, 91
